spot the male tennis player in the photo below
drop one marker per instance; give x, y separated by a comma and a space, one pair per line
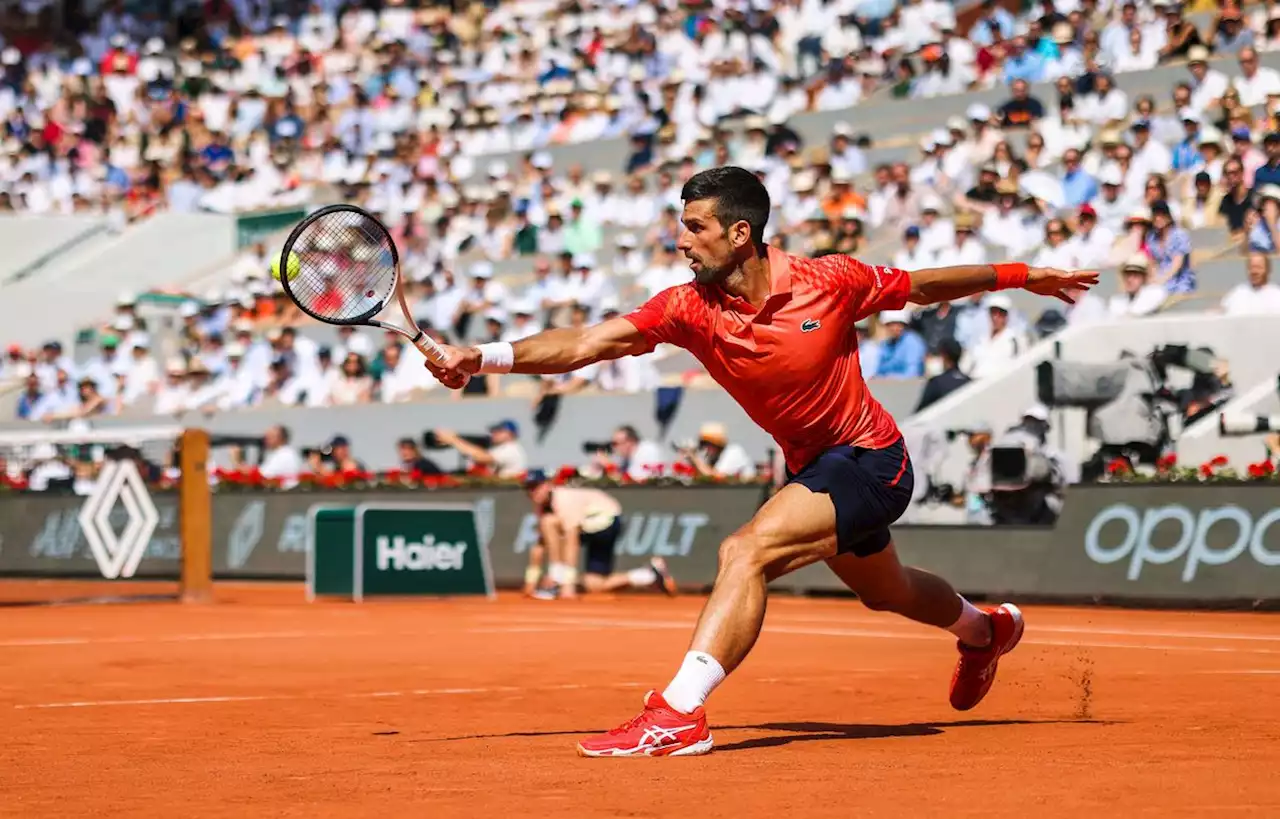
582, 518
777, 332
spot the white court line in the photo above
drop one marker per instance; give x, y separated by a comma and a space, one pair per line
418, 692
45, 642
908, 635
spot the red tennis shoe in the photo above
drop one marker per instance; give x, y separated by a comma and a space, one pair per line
660, 730
976, 670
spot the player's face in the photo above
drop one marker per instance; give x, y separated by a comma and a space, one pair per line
712, 249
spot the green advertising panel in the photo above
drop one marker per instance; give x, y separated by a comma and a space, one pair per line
331, 533
418, 549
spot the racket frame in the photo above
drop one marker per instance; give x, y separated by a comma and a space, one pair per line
417, 337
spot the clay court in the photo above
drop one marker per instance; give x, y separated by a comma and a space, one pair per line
261, 704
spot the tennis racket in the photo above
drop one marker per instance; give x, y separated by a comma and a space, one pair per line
348, 271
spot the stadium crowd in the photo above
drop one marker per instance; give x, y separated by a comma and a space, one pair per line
438, 118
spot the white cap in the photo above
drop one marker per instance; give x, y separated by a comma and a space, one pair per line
523, 307
1037, 411
602, 178
978, 111
941, 136
235, 350
1189, 115
44, 451
123, 323
584, 260
541, 160
840, 175
275, 334
496, 314
189, 309
895, 317
497, 168
957, 124
610, 304
627, 240
126, 300
175, 366
1111, 175
842, 129
481, 270
999, 301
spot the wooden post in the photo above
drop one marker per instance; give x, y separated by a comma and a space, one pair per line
195, 517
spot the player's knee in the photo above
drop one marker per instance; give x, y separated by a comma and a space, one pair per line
742, 552
879, 602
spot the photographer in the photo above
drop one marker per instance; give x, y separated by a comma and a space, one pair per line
1027, 477
975, 493
628, 455
334, 459
714, 456
413, 461
504, 455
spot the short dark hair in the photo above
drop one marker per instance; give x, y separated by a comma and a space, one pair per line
739, 197
629, 431
950, 350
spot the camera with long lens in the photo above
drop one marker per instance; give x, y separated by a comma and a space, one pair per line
1236, 425
592, 447
430, 441
1131, 403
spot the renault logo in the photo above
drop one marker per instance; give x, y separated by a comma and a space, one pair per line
119, 555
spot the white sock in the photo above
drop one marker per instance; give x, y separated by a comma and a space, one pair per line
641, 578
973, 627
698, 676
559, 573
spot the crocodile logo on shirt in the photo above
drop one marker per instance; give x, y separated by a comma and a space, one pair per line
809, 325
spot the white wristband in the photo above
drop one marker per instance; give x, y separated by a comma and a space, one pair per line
496, 357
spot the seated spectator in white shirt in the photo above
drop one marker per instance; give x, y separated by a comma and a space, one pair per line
403, 378
1092, 242
279, 459
522, 324
912, 255
1138, 296
1107, 103
994, 354
1056, 252
965, 248
237, 388
354, 385
715, 456
173, 395
1258, 295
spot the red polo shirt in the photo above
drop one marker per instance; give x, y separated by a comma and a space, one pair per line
793, 365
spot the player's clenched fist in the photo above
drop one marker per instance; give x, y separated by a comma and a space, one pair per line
459, 364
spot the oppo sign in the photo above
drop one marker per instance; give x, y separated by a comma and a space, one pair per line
1192, 541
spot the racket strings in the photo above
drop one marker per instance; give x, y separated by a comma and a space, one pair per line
346, 266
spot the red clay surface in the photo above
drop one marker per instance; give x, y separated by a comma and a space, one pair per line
262, 705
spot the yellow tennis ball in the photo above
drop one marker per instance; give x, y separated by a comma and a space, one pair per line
294, 266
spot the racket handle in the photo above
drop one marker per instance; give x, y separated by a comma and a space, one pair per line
428, 347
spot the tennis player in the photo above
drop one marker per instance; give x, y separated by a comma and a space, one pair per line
583, 518
777, 332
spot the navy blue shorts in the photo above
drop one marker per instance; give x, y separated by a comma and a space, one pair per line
870, 488
599, 546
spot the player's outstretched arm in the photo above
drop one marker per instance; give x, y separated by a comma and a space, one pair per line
548, 352
935, 284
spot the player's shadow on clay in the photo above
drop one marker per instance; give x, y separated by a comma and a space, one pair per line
828, 731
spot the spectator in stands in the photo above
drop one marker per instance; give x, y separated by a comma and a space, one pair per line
996, 352
29, 399
338, 458
994, 24
912, 256
355, 385
1233, 36
715, 456
1022, 65
279, 458
402, 378
1170, 249
504, 456
1091, 243
868, 349
1201, 207
902, 351
1107, 106
1078, 187
1057, 251
412, 461
631, 456
1255, 83
88, 403
1138, 296
1257, 295
947, 381
1022, 110
1236, 198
